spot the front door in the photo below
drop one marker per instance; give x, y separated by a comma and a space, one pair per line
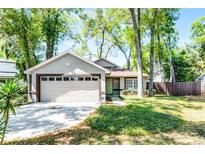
116, 86
109, 86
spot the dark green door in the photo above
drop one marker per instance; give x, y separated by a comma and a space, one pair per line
109, 86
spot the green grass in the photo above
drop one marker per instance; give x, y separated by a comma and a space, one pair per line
155, 120
132, 120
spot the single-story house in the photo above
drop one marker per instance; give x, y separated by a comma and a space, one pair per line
7, 69
71, 78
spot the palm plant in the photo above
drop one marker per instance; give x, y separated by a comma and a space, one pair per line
9, 96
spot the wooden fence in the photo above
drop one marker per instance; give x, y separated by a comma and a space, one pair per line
179, 88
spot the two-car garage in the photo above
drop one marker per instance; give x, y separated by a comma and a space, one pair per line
67, 78
69, 89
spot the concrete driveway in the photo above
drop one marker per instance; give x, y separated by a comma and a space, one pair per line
38, 118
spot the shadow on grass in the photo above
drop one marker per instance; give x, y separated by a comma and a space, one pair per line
132, 120
173, 98
68, 136
160, 101
193, 127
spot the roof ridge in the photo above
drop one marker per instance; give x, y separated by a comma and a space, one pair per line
59, 56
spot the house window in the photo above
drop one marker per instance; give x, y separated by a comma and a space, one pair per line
73, 78
51, 78
66, 78
135, 84
58, 78
131, 84
87, 78
80, 78
94, 78
44, 79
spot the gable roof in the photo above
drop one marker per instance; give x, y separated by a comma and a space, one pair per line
60, 56
107, 61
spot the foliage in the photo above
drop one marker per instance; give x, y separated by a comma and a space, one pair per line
23, 26
30, 30
9, 96
198, 30
186, 66
56, 25
198, 36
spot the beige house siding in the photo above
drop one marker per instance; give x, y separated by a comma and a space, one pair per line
122, 83
67, 64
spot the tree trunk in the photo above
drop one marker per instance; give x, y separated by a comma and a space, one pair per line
108, 51
102, 43
6, 52
172, 75
136, 27
49, 51
35, 57
161, 69
128, 64
151, 66
171, 68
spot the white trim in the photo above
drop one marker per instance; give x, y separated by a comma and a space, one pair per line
29, 71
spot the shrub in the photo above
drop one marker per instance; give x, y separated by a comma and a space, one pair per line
9, 96
125, 92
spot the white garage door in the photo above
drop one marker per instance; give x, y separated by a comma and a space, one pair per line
69, 89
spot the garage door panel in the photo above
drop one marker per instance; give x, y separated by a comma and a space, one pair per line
70, 91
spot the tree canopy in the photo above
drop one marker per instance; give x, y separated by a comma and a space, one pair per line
32, 35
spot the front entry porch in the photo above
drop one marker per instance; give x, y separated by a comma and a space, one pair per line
113, 86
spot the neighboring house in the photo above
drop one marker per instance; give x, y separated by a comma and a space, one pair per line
7, 69
201, 77
68, 77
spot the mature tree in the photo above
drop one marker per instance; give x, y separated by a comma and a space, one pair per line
198, 31
187, 65
23, 25
137, 30
169, 36
55, 26
121, 32
152, 18
198, 36
111, 32
97, 28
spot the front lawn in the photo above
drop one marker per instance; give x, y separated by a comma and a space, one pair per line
156, 120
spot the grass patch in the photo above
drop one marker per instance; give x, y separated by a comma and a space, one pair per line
131, 120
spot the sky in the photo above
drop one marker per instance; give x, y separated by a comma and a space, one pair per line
183, 26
